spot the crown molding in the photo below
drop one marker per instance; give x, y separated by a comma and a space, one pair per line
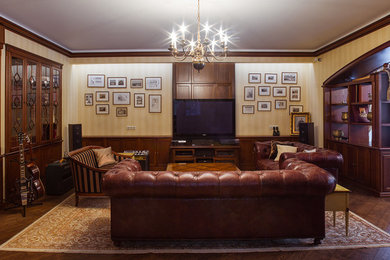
6, 24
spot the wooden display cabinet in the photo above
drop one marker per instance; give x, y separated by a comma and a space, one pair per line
357, 124
205, 154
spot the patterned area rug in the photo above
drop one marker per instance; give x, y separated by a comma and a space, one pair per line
86, 229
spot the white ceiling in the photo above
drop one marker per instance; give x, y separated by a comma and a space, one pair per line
144, 25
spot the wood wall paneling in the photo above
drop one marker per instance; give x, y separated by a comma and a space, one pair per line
183, 72
206, 75
202, 91
183, 91
224, 73
385, 161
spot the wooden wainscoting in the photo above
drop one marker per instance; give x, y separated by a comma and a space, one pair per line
42, 155
159, 155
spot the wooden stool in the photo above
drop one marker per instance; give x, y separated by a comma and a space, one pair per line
338, 201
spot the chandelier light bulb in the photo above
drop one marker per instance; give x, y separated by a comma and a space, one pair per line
199, 50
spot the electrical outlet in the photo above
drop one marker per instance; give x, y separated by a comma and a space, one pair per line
272, 126
131, 127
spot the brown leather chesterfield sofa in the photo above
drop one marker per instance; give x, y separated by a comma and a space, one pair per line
329, 160
218, 205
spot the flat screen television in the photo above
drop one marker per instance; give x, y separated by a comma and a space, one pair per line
206, 119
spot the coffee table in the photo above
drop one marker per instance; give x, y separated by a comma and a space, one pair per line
199, 167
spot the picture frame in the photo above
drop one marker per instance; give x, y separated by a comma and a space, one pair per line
289, 77
264, 106
249, 93
153, 83
139, 100
121, 111
271, 78
17, 101
102, 96
155, 103
254, 78
96, 80
88, 99
295, 109
102, 109
280, 104
296, 119
248, 109
136, 83
264, 91
279, 91
295, 94
116, 82
121, 98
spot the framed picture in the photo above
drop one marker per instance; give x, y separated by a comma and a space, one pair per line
295, 94
116, 82
121, 111
102, 96
102, 109
289, 77
254, 77
96, 80
45, 99
121, 98
155, 103
248, 109
136, 83
295, 108
153, 83
296, 119
16, 101
249, 93
279, 91
263, 105
88, 99
281, 104
271, 78
139, 100
264, 91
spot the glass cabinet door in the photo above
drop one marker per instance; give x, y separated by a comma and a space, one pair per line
56, 104
16, 99
31, 95
45, 103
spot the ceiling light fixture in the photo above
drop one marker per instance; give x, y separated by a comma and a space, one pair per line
200, 51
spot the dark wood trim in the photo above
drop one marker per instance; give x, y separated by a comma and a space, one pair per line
32, 56
32, 36
33, 148
2, 36
353, 36
365, 63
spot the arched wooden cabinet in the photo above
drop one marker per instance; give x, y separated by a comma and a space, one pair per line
357, 120
32, 106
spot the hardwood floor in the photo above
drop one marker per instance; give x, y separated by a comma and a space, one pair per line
376, 210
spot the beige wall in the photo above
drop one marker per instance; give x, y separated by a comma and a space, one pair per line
259, 123
334, 60
147, 124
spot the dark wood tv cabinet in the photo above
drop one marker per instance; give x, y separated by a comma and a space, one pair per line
213, 153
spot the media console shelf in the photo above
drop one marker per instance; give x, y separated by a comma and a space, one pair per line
205, 153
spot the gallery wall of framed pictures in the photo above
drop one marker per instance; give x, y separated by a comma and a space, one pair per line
274, 91
141, 87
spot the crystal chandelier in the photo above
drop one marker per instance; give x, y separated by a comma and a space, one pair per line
200, 51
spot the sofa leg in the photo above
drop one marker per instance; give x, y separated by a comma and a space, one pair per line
77, 200
317, 241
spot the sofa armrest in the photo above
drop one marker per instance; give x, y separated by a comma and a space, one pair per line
329, 160
262, 150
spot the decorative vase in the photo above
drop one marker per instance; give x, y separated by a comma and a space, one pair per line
369, 116
344, 116
337, 134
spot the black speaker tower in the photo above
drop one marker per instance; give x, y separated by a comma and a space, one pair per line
74, 136
306, 133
